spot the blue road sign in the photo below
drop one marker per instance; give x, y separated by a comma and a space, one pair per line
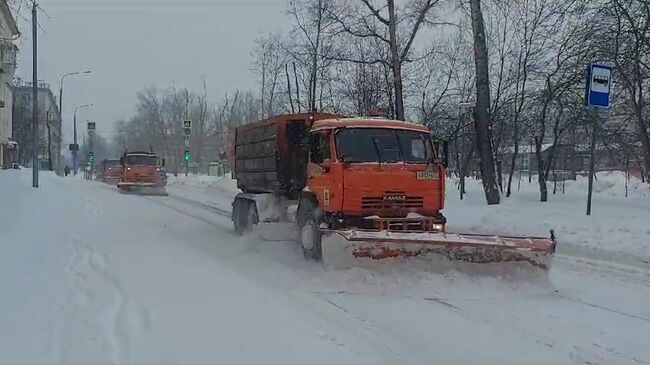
598, 86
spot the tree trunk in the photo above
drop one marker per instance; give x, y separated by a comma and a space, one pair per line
515, 154
312, 83
286, 71
645, 142
462, 186
396, 63
511, 172
541, 176
482, 109
295, 76
463, 171
627, 173
543, 190
263, 89
499, 174
389, 93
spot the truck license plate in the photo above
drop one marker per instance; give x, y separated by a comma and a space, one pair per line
428, 175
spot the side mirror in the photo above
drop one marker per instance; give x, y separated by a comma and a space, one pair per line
442, 151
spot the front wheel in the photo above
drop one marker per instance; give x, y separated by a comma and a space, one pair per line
310, 238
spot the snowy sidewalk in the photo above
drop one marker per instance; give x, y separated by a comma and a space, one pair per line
88, 275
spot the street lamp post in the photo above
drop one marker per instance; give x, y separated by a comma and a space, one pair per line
74, 150
464, 107
61, 111
48, 124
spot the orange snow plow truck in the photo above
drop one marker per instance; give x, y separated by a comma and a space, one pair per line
142, 173
371, 189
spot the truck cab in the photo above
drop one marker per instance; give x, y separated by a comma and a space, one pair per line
375, 173
141, 169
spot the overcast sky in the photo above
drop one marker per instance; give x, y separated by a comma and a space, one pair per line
130, 44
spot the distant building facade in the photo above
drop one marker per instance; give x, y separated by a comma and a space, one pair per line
8, 34
49, 125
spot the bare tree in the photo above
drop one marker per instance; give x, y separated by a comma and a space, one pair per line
395, 30
269, 57
625, 31
531, 23
311, 39
561, 97
482, 109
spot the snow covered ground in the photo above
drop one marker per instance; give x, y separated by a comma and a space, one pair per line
618, 228
91, 275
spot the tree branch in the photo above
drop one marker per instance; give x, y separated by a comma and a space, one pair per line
416, 26
375, 12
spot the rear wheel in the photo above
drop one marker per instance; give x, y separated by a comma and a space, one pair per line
310, 238
244, 216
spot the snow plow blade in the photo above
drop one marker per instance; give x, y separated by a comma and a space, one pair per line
142, 188
466, 247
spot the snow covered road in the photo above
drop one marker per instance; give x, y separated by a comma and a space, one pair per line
91, 275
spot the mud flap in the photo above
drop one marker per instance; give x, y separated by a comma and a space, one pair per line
472, 253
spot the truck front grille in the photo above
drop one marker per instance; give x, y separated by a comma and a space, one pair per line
381, 202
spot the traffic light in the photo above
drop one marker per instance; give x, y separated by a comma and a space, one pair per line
91, 157
187, 155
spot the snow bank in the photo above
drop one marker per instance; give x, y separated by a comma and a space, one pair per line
617, 229
611, 184
202, 181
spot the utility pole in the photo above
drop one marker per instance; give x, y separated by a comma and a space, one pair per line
187, 112
74, 129
49, 141
597, 96
60, 139
58, 158
35, 139
592, 157
74, 142
91, 160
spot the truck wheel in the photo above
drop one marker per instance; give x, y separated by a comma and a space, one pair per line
310, 238
244, 216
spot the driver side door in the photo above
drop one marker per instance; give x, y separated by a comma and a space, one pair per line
320, 177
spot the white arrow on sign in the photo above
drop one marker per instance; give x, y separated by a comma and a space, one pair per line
187, 124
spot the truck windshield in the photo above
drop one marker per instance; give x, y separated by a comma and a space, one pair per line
383, 145
141, 160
